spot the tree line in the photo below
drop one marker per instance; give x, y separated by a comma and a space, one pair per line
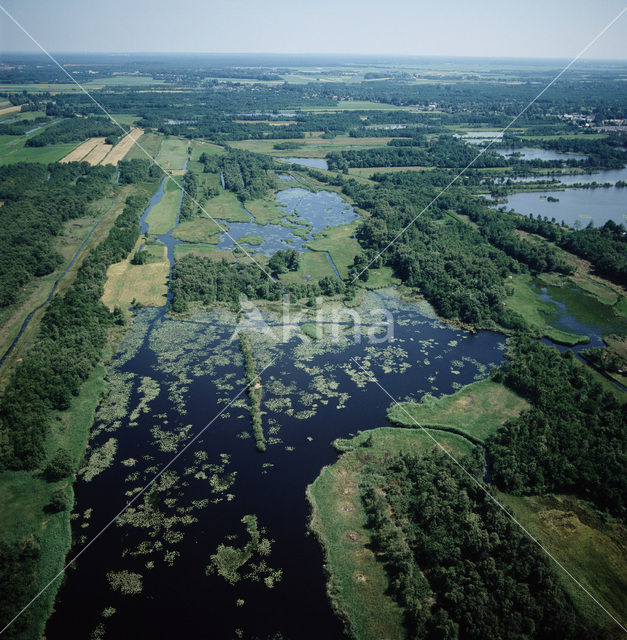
75, 130
578, 429
38, 200
457, 566
71, 337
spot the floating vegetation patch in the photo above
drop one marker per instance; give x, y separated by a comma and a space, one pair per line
125, 582
100, 459
148, 390
113, 410
170, 441
247, 562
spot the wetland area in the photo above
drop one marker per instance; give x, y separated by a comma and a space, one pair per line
242, 353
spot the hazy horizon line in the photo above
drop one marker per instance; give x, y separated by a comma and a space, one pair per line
310, 54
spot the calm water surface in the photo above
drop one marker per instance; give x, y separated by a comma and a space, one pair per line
169, 379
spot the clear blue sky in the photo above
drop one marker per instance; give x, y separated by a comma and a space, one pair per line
525, 28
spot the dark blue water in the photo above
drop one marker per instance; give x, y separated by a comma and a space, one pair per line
198, 369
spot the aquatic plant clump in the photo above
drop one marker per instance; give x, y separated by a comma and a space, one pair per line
228, 561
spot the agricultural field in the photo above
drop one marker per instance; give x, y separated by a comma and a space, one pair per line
97, 154
5, 110
123, 147
83, 150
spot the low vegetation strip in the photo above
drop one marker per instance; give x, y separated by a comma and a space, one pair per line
253, 388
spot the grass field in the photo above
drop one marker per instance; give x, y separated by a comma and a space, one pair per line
368, 172
199, 230
210, 251
265, 211
591, 549
477, 410
533, 310
313, 266
151, 142
227, 207
17, 152
162, 217
200, 146
145, 283
313, 147
380, 278
173, 154
357, 583
340, 244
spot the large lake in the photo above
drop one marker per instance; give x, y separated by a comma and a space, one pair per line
576, 206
